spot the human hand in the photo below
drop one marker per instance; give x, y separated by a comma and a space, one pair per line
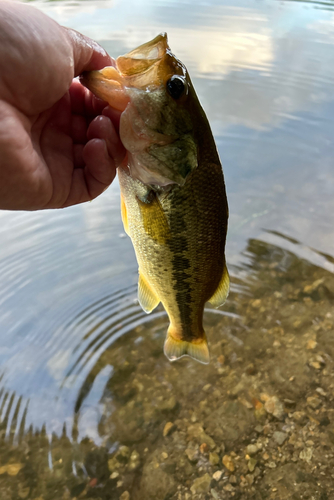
58, 143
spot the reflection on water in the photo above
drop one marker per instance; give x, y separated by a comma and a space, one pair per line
89, 405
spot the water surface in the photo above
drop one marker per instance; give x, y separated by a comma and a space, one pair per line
82, 367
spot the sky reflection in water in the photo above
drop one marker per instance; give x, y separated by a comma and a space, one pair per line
264, 74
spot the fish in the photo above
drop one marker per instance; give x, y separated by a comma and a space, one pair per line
173, 197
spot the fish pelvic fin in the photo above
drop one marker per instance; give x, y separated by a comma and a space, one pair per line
222, 291
147, 298
175, 349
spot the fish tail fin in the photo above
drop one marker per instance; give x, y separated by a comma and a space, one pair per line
197, 349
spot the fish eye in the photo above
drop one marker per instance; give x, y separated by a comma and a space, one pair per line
176, 86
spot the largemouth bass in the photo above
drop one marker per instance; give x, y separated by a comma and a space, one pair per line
173, 199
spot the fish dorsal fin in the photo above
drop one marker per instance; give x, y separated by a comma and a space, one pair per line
220, 295
147, 298
124, 215
174, 349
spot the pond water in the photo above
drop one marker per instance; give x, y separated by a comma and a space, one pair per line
90, 407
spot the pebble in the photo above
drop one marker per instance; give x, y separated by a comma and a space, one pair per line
251, 464
125, 496
23, 492
228, 462
11, 469
306, 455
274, 406
168, 429
134, 460
214, 458
311, 344
204, 448
314, 402
192, 454
228, 487
280, 437
218, 475
196, 431
252, 449
167, 404
214, 494
299, 416
201, 484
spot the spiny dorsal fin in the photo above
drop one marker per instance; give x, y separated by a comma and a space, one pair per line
220, 295
174, 349
147, 298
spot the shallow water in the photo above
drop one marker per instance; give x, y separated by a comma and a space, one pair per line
82, 367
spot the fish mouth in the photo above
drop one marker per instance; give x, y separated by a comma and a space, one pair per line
108, 85
144, 68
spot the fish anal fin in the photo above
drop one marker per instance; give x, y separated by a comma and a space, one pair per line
147, 298
124, 215
175, 349
221, 293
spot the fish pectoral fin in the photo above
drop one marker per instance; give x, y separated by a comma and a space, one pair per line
147, 298
221, 294
174, 349
154, 220
124, 215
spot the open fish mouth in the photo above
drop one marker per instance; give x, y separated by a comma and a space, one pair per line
141, 68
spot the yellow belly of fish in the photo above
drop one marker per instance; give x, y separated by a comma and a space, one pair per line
179, 241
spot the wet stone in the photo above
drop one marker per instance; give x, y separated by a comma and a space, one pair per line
168, 429
218, 475
279, 437
252, 449
134, 461
228, 462
214, 494
306, 454
214, 458
167, 404
125, 496
251, 464
192, 454
201, 484
196, 431
314, 402
300, 417
274, 406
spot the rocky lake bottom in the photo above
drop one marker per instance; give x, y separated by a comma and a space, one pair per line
256, 423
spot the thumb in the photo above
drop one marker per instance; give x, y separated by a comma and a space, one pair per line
88, 55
